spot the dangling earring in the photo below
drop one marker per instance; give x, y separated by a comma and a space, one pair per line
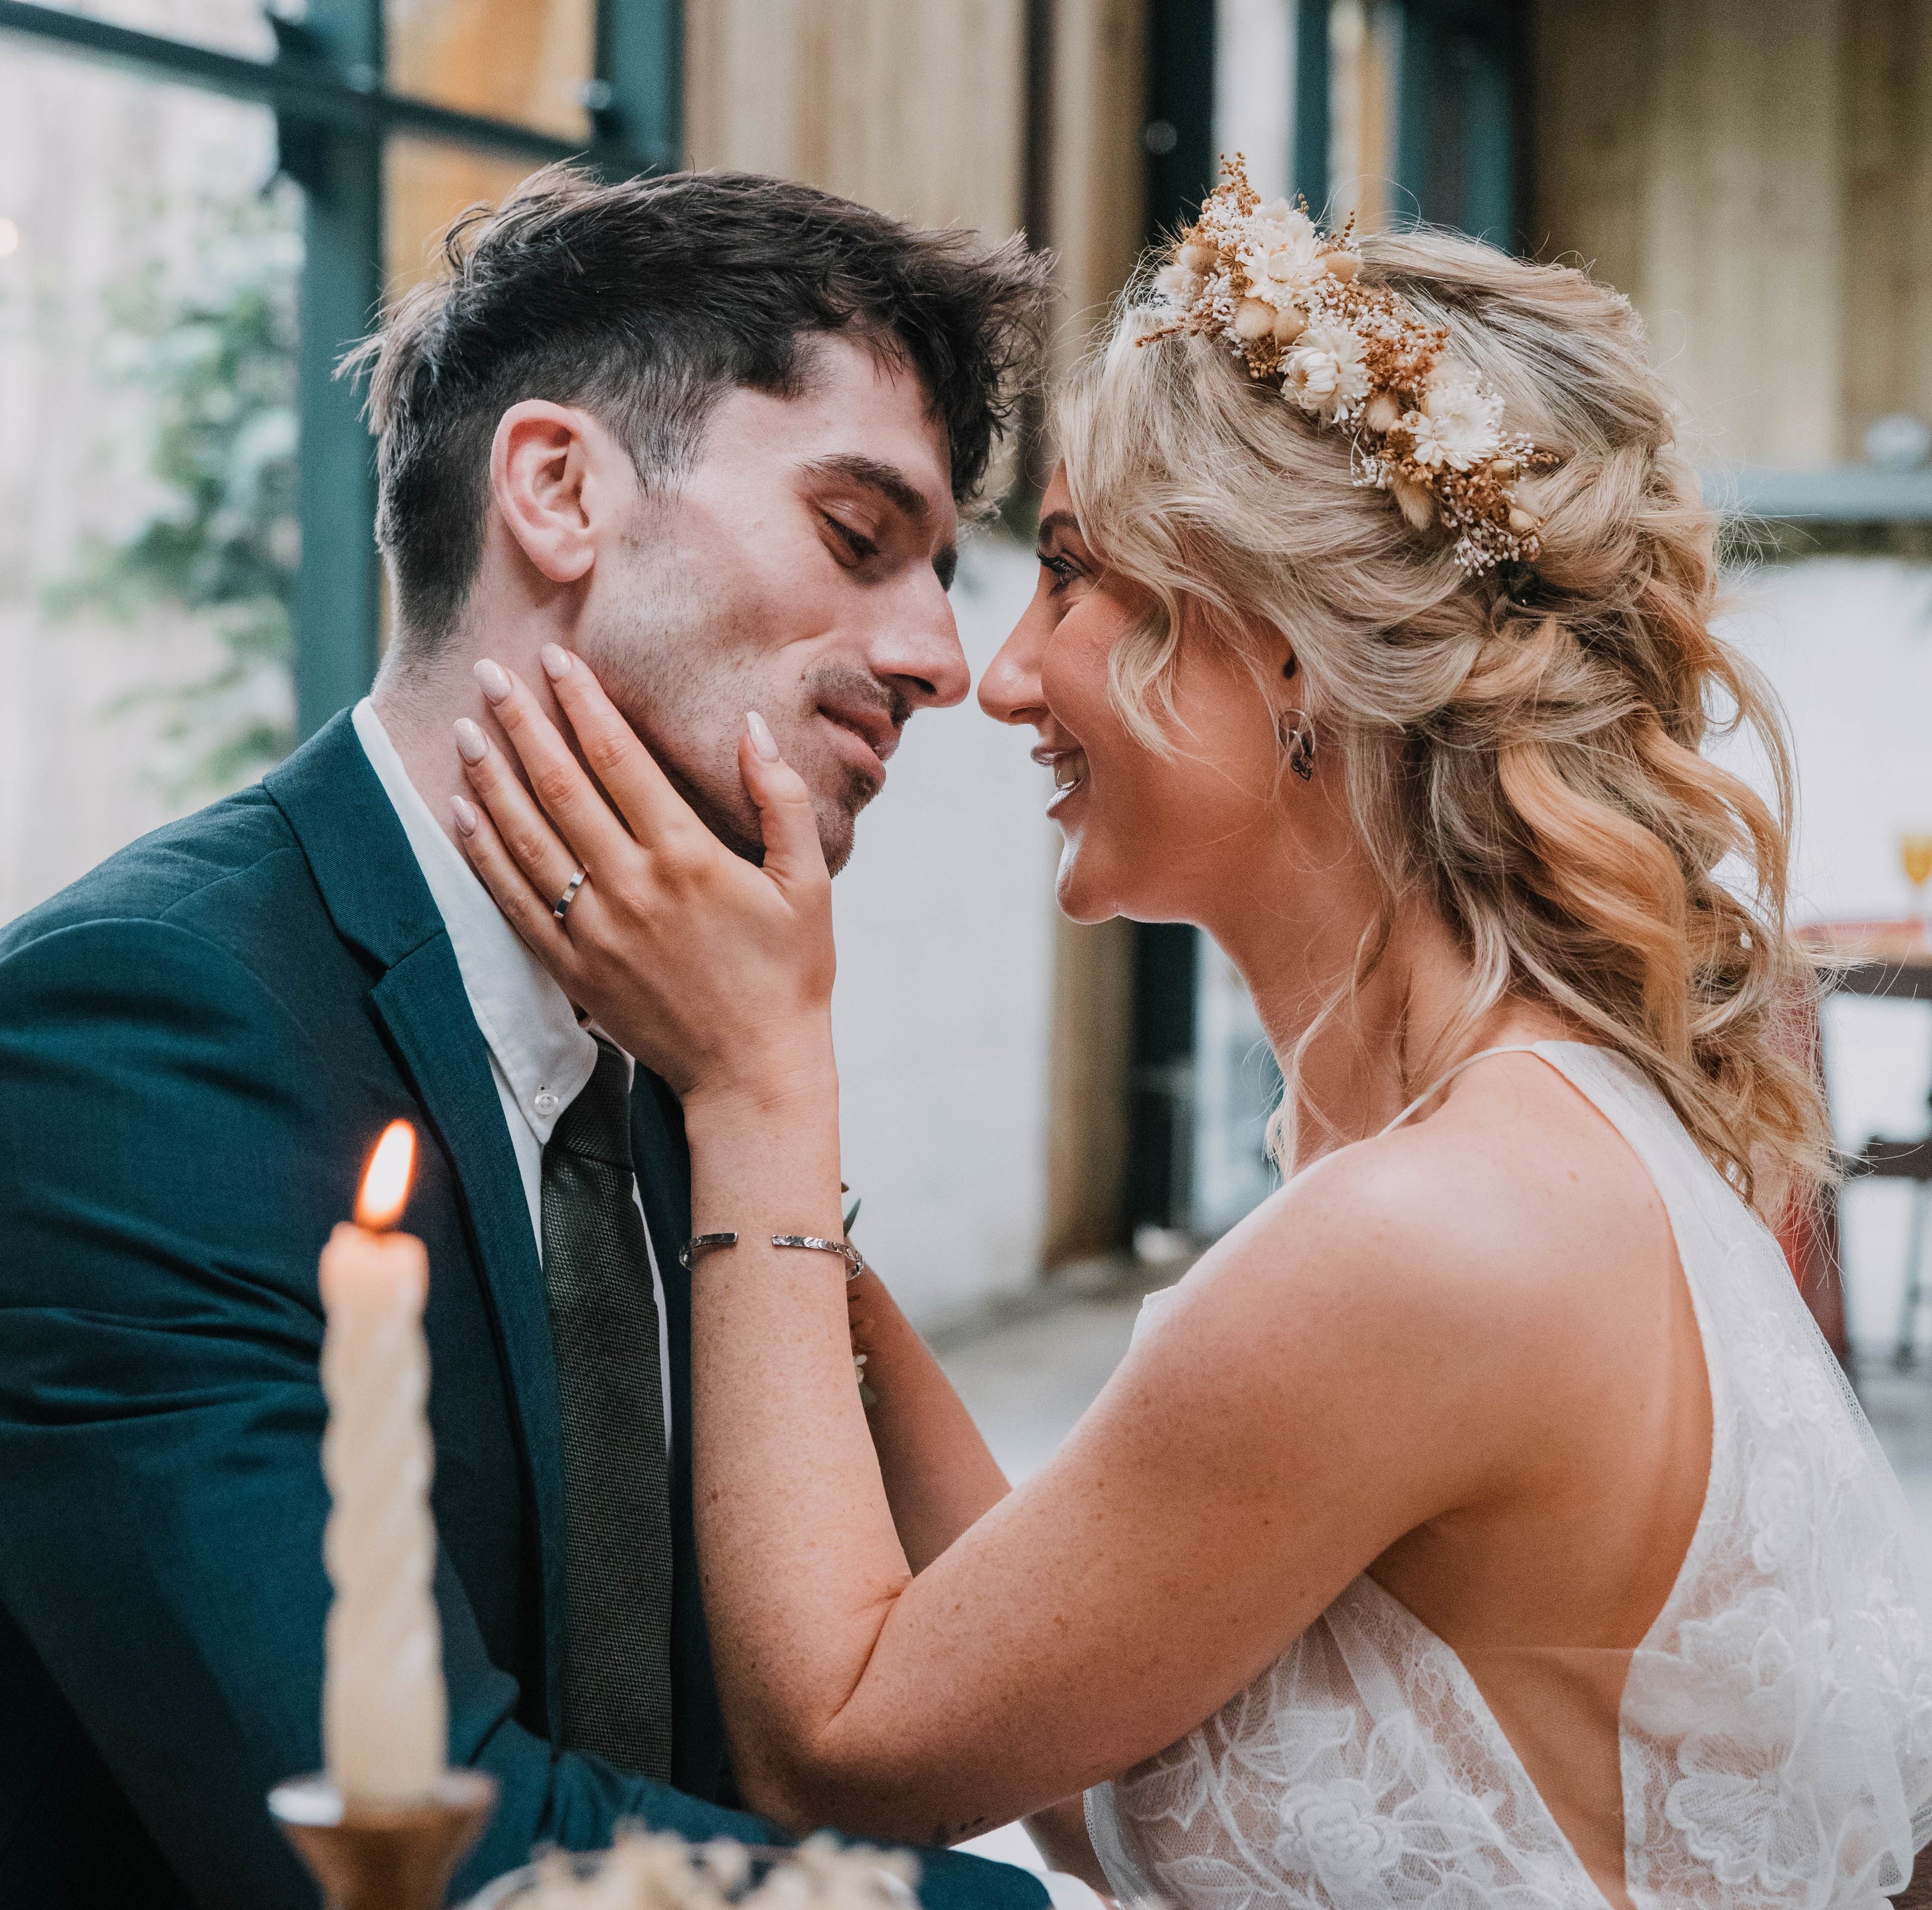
1297, 736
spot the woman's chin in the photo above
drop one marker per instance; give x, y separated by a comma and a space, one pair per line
1081, 898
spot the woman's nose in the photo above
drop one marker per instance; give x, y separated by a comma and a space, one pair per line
1009, 690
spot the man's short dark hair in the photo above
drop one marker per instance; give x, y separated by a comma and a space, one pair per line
645, 302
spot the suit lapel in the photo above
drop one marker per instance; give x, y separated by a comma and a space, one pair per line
377, 897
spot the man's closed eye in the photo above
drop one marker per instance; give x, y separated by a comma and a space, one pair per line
858, 547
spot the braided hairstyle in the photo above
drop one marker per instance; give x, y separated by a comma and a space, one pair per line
1523, 748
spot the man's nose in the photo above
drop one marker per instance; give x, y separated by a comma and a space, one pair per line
919, 649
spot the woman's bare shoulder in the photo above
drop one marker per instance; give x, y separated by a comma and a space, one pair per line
1470, 1251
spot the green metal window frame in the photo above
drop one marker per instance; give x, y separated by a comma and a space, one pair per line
333, 115
1460, 70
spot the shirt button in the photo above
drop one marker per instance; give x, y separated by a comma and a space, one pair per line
543, 1102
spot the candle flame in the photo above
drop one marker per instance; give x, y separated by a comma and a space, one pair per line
385, 1181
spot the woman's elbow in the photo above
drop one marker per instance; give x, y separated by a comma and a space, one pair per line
809, 1787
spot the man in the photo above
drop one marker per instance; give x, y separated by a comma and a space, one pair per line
711, 433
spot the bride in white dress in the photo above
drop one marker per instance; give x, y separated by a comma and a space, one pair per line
1482, 1523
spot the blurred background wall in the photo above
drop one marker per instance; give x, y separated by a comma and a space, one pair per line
200, 205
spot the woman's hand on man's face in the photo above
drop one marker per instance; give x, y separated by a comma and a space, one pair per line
715, 973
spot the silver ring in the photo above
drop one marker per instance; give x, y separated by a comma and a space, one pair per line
561, 906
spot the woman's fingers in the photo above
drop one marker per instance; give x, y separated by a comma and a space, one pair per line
568, 796
546, 862
528, 913
794, 856
641, 790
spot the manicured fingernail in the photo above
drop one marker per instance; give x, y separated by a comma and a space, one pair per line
491, 680
466, 817
556, 660
761, 737
472, 744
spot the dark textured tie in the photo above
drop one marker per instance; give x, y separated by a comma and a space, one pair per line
604, 1320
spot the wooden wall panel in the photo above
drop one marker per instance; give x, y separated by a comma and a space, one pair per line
1887, 173
1757, 175
1097, 210
1689, 153
1595, 101
917, 106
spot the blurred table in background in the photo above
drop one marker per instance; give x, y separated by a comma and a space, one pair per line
1890, 960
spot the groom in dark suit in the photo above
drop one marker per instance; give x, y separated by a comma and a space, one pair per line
710, 432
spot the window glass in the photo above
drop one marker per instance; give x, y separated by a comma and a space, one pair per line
148, 543
230, 26
530, 61
1236, 1086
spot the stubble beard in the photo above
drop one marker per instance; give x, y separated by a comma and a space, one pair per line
681, 670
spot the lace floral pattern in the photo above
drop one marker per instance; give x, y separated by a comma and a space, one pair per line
1776, 1726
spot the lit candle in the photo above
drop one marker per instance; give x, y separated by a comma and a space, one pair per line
384, 1727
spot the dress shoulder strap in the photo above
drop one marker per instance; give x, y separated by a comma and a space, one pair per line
1436, 1086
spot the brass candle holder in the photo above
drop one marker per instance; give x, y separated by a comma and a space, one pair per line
384, 1857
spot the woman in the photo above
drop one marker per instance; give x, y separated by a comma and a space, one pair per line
1482, 1522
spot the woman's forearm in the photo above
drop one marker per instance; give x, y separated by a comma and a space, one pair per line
801, 1562
939, 1475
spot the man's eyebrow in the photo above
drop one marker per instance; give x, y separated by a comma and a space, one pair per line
891, 483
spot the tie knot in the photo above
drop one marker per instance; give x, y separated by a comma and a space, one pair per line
597, 1125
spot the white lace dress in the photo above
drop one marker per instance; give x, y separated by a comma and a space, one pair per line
1774, 1730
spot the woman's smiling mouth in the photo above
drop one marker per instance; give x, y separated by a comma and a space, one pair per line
1070, 772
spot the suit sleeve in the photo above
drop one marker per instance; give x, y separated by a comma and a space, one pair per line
162, 1201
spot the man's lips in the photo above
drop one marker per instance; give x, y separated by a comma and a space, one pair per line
873, 727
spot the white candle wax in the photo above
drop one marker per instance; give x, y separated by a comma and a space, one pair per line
385, 1713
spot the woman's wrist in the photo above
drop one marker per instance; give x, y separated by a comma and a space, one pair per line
796, 1084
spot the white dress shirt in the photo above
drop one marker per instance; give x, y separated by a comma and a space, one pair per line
540, 1054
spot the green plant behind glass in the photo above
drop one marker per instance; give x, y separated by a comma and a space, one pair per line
217, 363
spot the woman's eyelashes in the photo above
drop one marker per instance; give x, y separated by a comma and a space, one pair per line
1063, 570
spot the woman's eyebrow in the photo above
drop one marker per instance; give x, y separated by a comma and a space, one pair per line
1061, 531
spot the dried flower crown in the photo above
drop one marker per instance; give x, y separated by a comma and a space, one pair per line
1287, 298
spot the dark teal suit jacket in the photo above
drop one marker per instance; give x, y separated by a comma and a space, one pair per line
199, 1042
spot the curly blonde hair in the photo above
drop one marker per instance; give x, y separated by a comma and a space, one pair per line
1524, 751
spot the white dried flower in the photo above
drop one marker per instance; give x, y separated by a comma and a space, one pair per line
724, 1859
1459, 424
1324, 373
647, 1870
855, 1874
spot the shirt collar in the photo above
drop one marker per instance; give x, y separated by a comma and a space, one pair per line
545, 1054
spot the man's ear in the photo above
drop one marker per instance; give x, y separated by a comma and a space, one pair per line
547, 476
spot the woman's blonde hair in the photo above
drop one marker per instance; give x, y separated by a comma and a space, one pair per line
1523, 752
